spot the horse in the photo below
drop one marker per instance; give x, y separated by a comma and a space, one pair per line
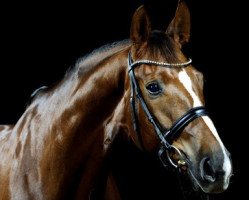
142, 89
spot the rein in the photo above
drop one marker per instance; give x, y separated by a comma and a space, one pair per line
166, 137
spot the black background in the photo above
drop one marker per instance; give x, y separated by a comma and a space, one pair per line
40, 40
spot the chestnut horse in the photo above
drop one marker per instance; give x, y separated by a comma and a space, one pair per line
144, 89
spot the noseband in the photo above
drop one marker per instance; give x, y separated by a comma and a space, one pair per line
166, 137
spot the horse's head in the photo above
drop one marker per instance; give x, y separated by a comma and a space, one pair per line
168, 88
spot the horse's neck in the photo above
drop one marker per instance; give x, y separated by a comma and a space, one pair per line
73, 126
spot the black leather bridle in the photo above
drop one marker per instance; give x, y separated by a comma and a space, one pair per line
166, 137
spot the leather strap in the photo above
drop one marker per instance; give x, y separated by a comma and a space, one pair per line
177, 128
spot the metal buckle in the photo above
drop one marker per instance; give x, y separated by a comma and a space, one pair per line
164, 155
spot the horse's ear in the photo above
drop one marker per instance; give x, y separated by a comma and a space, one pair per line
140, 26
179, 27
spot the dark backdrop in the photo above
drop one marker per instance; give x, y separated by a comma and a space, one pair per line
40, 40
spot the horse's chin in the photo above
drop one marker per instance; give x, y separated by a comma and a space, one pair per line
199, 185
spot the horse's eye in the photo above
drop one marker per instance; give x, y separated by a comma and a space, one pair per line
154, 88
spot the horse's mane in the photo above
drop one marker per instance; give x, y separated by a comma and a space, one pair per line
92, 59
86, 63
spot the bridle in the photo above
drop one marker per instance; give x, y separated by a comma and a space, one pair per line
166, 137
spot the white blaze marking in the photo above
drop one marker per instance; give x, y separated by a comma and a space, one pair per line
186, 81
227, 167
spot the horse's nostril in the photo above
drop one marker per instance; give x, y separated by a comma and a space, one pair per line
207, 171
